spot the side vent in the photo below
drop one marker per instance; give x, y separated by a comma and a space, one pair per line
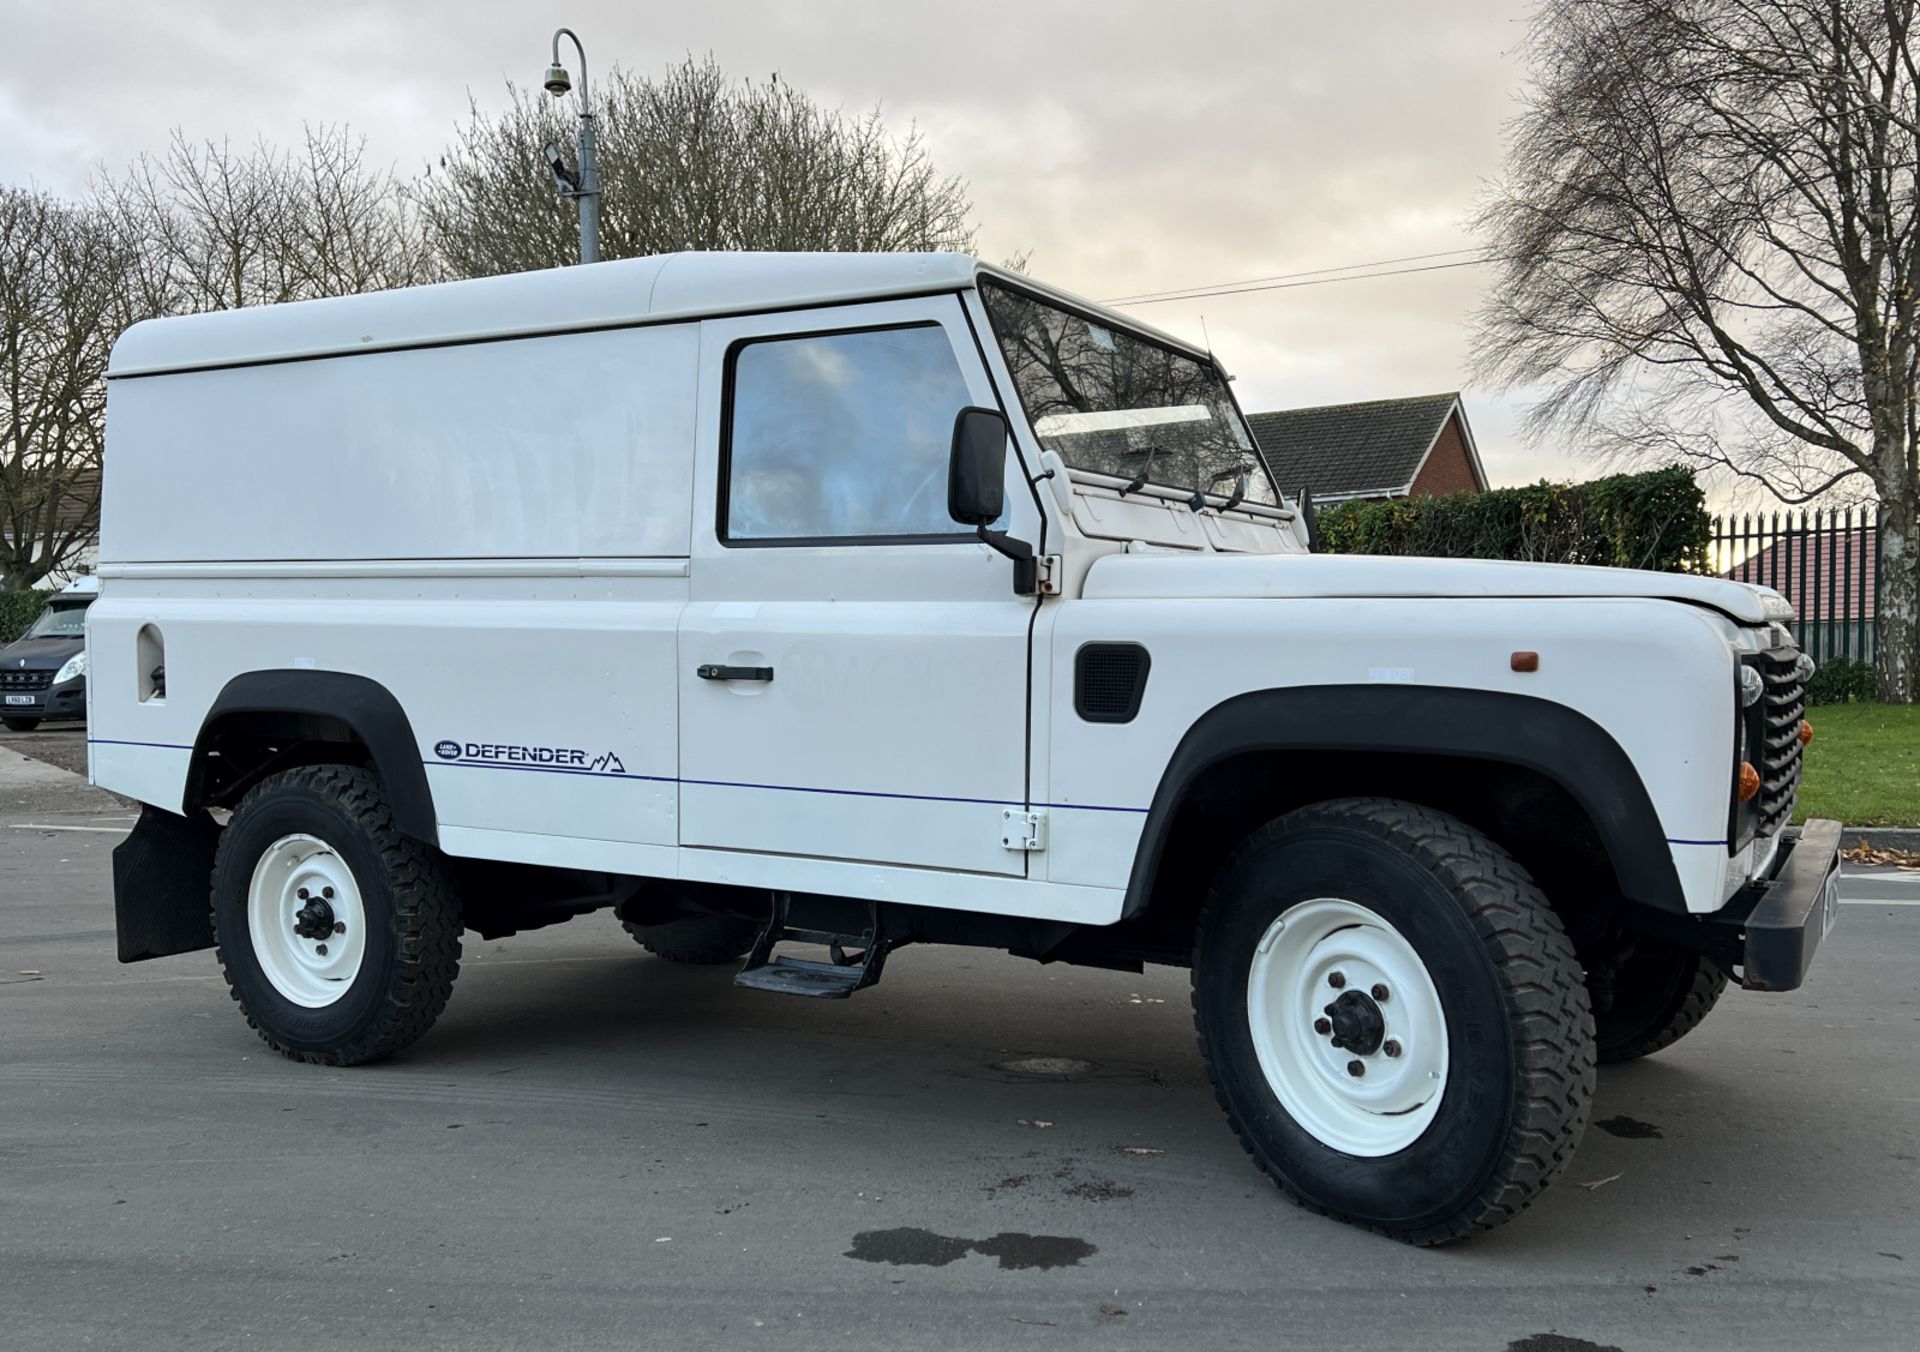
1109, 680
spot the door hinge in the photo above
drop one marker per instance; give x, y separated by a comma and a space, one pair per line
1051, 573
1023, 831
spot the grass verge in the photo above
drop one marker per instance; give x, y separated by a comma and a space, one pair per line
1863, 766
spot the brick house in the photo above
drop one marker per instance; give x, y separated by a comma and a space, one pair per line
1384, 448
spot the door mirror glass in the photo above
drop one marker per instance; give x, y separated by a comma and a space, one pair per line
977, 469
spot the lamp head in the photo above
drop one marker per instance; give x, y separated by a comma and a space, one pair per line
558, 82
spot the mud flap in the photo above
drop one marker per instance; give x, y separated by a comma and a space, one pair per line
162, 879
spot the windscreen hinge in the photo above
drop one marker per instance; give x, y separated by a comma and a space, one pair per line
1052, 573
1023, 831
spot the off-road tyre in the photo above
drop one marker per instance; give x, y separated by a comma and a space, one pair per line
412, 912
20, 724
700, 940
1520, 1077
1660, 994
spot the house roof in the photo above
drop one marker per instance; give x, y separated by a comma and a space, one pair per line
1371, 449
1827, 575
79, 505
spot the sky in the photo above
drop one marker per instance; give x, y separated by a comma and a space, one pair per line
1126, 147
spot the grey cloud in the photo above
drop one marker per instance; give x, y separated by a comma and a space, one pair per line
1131, 146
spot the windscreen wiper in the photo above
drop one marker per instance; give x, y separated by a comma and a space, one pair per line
1199, 498
1139, 481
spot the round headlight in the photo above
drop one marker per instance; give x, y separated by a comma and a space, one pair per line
1803, 667
1751, 687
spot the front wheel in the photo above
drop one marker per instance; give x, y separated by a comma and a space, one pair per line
1393, 1018
338, 935
20, 724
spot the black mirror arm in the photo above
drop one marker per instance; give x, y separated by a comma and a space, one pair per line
1026, 569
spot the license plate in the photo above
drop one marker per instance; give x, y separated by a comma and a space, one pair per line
1829, 903
19, 699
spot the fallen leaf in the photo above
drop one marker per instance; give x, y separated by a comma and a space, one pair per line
1866, 852
1600, 1182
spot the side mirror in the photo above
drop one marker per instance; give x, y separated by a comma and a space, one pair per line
977, 467
1310, 517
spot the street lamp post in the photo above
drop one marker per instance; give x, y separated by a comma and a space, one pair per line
583, 184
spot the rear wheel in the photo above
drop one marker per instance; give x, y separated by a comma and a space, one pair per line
338, 935
1658, 994
1393, 1019
20, 724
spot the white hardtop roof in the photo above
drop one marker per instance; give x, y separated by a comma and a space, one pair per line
557, 300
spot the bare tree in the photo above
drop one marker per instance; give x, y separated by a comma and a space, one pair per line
201, 227
215, 229
1709, 248
65, 283
691, 160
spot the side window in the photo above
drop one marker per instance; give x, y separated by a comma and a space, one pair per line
841, 436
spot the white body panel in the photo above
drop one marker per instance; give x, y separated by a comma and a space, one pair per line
1375, 577
573, 446
894, 729
1681, 744
498, 500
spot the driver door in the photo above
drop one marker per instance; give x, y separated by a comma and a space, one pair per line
854, 665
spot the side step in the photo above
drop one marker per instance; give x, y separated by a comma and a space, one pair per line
855, 965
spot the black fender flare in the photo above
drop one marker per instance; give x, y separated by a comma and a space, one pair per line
362, 704
1561, 744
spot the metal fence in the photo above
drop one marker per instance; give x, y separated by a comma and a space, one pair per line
1824, 561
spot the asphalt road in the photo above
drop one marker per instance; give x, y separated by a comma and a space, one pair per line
599, 1149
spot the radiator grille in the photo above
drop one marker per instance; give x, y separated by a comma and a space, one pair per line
16, 679
1777, 757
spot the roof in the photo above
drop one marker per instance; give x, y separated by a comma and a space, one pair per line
1827, 575
556, 300
1372, 449
79, 507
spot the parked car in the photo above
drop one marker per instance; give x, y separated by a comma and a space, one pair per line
900, 599
43, 673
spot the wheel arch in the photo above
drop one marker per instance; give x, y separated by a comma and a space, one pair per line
1530, 769
265, 721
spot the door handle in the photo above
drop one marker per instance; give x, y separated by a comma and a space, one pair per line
714, 672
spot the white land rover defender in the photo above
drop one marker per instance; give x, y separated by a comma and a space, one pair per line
897, 599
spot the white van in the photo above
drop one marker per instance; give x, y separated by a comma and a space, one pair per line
858, 601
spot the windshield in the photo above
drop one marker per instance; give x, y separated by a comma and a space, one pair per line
59, 622
1106, 400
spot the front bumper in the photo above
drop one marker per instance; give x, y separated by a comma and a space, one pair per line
66, 700
1773, 925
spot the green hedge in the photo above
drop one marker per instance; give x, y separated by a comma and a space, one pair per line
18, 609
1653, 520
1842, 680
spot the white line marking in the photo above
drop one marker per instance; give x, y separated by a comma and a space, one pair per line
45, 826
1887, 901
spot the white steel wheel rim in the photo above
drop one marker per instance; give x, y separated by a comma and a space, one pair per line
295, 875
1291, 986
